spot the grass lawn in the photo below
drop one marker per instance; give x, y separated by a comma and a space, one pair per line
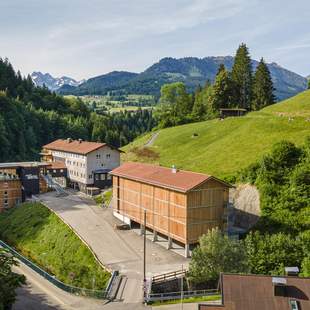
223, 147
187, 300
42, 237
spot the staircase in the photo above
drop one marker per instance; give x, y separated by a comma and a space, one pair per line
54, 185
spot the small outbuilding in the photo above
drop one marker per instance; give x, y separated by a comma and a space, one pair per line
233, 112
180, 205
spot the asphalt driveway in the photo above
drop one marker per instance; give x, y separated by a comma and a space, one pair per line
117, 250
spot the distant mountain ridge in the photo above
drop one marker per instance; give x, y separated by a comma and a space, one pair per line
190, 70
51, 82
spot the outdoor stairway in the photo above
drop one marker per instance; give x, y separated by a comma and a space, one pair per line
52, 184
117, 289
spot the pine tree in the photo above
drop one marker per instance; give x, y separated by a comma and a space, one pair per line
222, 90
262, 87
242, 78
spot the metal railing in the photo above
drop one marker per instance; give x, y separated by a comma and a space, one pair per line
178, 295
102, 294
168, 276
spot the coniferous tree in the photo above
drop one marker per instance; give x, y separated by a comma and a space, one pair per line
242, 78
262, 87
222, 90
309, 83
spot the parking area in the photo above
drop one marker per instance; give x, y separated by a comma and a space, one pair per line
117, 249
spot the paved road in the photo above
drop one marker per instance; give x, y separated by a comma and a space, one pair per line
118, 250
39, 294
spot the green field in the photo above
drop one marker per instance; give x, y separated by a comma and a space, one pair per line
114, 103
41, 236
224, 147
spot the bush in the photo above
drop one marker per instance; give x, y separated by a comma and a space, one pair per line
216, 253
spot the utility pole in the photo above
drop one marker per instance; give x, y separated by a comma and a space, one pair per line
182, 290
144, 254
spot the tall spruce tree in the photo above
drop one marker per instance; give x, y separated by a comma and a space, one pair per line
222, 90
262, 87
242, 78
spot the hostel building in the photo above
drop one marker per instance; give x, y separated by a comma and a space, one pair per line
85, 164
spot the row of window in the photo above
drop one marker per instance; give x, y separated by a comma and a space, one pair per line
77, 174
75, 163
65, 154
107, 156
102, 177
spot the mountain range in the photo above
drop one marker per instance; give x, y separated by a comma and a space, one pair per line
51, 82
190, 70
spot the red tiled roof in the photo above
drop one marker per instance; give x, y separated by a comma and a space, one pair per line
182, 181
75, 146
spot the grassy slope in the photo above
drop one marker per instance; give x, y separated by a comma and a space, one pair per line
41, 236
224, 147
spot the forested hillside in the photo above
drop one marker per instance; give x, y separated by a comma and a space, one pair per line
32, 116
192, 71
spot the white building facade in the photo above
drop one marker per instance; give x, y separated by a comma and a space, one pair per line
88, 163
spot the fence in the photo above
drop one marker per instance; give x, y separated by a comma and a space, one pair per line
104, 294
178, 295
168, 276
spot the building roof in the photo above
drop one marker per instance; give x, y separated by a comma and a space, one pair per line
256, 292
182, 181
23, 164
74, 146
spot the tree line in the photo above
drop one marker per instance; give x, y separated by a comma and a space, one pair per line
32, 116
240, 88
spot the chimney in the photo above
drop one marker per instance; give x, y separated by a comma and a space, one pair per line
69, 140
174, 169
80, 140
291, 271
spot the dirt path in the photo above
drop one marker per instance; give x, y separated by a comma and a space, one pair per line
151, 141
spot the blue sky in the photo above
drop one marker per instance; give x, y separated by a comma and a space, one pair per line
82, 39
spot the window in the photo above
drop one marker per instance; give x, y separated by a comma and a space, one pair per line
98, 156
90, 176
109, 177
97, 177
102, 177
108, 156
61, 170
5, 201
294, 305
5, 192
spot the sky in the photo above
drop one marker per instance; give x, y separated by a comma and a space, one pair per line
85, 38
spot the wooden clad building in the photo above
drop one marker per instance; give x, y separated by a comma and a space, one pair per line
10, 192
181, 205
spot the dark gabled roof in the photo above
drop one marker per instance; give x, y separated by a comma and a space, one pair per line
256, 292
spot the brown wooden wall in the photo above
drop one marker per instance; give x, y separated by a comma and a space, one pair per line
205, 208
10, 192
183, 217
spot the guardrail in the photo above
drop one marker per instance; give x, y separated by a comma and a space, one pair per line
178, 295
52, 279
168, 276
